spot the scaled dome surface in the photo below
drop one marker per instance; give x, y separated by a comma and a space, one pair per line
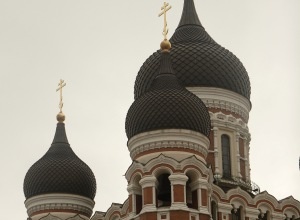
167, 105
60, 170
197, 59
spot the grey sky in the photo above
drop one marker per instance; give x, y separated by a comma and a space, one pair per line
97, 47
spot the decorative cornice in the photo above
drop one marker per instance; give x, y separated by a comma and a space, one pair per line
168, 138
186, 165
148, 181
57, 202
219, 119
223, 99
178, 179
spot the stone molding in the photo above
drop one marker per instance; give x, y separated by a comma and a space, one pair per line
134, 189
219, 119
148, 181
162, 159
178, 179
168, 138
59, 201
223, 99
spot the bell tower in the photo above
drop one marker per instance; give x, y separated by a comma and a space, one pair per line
168, 129
219, 79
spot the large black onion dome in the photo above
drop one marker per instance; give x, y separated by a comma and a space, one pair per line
167, 105
60, 171
197, 60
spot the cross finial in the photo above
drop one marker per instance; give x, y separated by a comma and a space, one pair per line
61, 84
166, 7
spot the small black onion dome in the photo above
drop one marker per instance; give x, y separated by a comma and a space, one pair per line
197, 60
60, 171
167, 105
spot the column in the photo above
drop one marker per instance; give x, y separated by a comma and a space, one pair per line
237, 139
201, 186
133, 191
216, 151
246, 150
149, 184
178, 191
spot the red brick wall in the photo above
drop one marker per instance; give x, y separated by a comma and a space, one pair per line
204, 197
179, 215
204, 217
148, 197
210, 160
130, 203
211, 139
243, 169
241, 149
178, 192
220, 216
148, 216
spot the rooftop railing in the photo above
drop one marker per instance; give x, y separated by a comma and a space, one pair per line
247, 185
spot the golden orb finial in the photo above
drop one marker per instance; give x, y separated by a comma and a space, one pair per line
165, 45
61, 116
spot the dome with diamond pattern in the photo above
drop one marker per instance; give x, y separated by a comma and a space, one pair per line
60, 171
167, 105
197, 59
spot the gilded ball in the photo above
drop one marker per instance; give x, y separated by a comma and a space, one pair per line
60, 117
165, 45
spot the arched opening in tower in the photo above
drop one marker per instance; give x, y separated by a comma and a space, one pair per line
163, 195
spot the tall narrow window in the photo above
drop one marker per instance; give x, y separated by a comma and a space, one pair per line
226, 156
164, 190
236, 214
191, 196
264, 216
214, 210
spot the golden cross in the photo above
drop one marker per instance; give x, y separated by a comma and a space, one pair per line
61, 84
166, 7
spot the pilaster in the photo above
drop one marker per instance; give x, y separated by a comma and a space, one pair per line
216, 151
149, 184
237, 140
178, 189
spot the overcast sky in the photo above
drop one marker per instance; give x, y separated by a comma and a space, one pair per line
97, 47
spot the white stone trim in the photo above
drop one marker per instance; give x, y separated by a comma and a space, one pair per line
178, 179
223, 99
237, 136
148, 181
175, 138
219, 119
59, 201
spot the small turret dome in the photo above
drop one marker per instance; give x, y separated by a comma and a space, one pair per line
167, 105
197, 59
60, 171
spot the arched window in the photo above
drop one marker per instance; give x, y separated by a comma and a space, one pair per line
226, 163
191, 196
264, 216
138, 195
236, 214
214, 210
164, 190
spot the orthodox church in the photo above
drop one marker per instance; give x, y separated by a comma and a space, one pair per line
188, 140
